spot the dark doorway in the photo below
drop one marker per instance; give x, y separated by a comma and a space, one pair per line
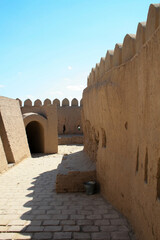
64, 129
35, 135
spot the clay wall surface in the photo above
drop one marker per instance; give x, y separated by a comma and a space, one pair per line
3, 160
46, 117
13, 142
68, 115
71, 118
121, 119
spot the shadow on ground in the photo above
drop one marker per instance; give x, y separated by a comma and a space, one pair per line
69, 215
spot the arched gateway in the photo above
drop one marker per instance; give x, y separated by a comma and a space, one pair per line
35, 125
35, 136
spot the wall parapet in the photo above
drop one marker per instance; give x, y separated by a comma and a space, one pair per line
38, 103
132, 44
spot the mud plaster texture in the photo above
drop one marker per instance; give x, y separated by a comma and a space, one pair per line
121, 111
31, 209
13, 141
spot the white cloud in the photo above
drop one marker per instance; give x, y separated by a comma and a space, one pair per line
69, 68
1, 86
75, 87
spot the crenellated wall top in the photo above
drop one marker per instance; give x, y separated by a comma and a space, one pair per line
132, 44
64, 103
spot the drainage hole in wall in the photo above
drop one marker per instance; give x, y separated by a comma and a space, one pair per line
79, 128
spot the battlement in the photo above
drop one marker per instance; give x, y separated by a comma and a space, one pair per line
132, 44
38, 103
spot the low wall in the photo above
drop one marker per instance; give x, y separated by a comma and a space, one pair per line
70, 139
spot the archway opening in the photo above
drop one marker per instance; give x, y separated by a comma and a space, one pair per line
35, 135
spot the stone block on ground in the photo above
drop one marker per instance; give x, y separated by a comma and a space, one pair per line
74, 170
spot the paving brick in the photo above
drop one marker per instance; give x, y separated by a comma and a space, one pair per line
34, 229
16, 229
43, 217
98, 216
101, 236
54, 211
7, 236
75, 207
71, 228
85, 212
68, 211
60, 217
3, 228
90, 228
39, 211
110, 216
68, 222
34, 223
108, 228
61, 207
4, 222
84, 222
62, 235
43, 235
45, 207
120, 235
118, 221
17, 222
23, 236
81, 236
77, 217
101, 222
52, 228
50, 222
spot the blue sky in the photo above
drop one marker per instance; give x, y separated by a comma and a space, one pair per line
48, 47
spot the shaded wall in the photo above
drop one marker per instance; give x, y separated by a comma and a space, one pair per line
121, 118
3, 160
13, 143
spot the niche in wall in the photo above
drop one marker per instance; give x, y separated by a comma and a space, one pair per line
146, 167
137, 161
158, 180
103, 138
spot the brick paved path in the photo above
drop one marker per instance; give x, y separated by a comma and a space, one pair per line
31, 209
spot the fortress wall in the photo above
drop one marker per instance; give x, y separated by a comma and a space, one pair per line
130, 47
68, 114
117, 57
109, 60
140, 36
121, 127
13, 136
